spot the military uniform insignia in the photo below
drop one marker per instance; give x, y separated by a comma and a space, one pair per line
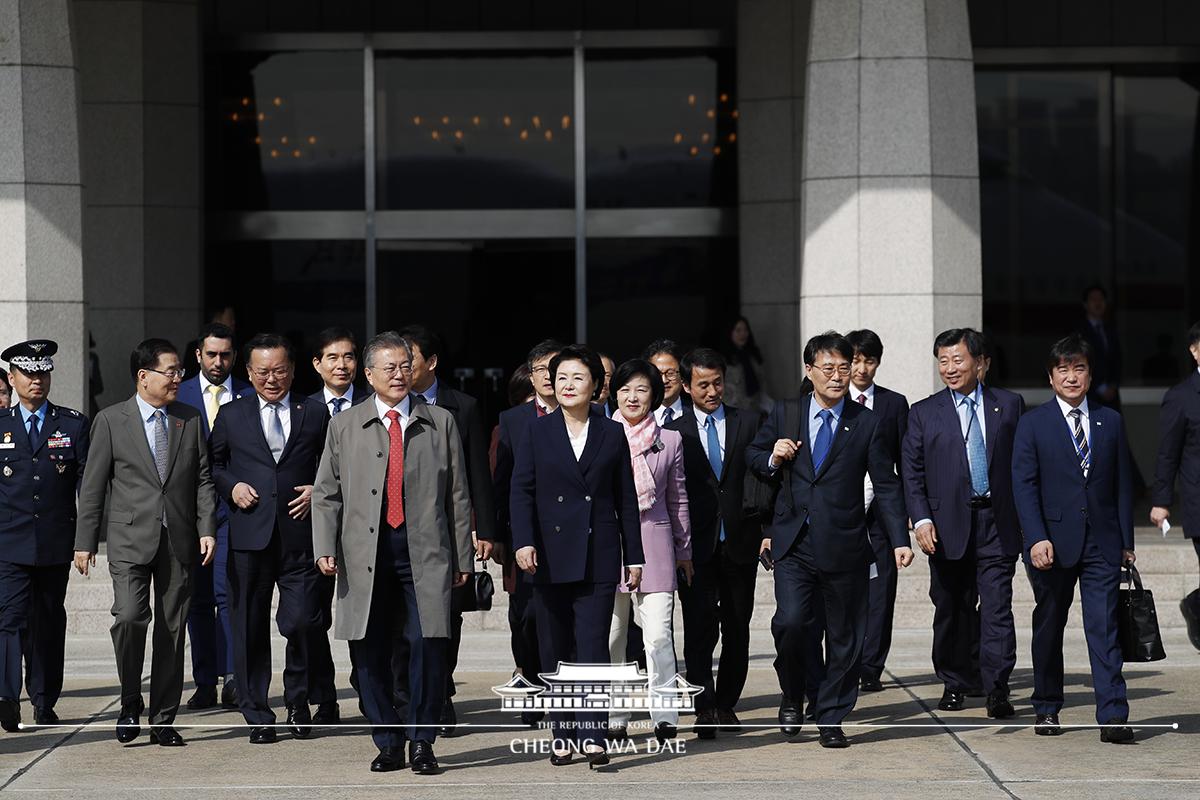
61, 467
7, 471
7, 437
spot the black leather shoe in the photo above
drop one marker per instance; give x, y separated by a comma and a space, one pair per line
706, 724
1046, 725
229, 692
263, 735
975, 691
596, 758
790, 720
832, 737
128, 725
165, 736
664, 731
998, 706
205, 697
424, 762
389, 759
810, 711
952, 700
870, 684
561, 760
448, 721
327, 714
10, 714
532, 718
44, 716
728, 720
1190, 608
299, 720
1115, 731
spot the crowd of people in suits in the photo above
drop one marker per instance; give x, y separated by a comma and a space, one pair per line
606, 492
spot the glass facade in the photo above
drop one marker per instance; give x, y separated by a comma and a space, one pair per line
1088, 177
470, 217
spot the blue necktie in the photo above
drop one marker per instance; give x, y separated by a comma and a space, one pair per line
714, 458
338, 402
668, 415
976, 453
33, 432
821, 446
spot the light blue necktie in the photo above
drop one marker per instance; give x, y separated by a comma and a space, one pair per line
976, 453
275, 438
824, 438
714, 457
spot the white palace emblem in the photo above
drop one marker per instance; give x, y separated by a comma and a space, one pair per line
597, 687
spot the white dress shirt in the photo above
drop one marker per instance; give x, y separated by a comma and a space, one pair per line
963, 409
1085, 422
676, 409
330, 397
285, 416
869, 394
718, 418
404, 407
579, 442
147, 412
224, 396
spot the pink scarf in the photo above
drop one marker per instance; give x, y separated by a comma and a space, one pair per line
642, 438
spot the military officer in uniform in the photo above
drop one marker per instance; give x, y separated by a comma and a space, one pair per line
43, 448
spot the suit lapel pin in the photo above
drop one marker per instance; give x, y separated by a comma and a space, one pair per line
178, 423
847, 428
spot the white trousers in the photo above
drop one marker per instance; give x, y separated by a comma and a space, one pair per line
653, 612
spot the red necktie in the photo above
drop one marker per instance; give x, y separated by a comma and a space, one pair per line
395, 471
541, 412
862, 398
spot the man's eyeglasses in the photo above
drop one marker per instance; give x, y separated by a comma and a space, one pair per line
669, 374
170, 374
542, 370
389, 370
279, 373
829, 369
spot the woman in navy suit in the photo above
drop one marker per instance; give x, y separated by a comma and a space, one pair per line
575, 521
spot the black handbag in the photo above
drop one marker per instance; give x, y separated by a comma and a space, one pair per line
1137, 622
476, 594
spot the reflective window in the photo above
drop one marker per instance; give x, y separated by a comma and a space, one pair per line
661, 130
640, 290
293, 288
1088, 178
286, 131
475, 131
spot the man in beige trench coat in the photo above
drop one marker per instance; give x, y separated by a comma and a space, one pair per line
392, 519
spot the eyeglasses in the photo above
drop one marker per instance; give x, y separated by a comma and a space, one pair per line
829, 369
170, 374
669, 374
279, 373
542, 370
389, 370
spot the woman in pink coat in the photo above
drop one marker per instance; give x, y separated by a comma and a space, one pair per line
657, 457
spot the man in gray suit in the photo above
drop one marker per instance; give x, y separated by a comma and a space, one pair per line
392, 519
150, 481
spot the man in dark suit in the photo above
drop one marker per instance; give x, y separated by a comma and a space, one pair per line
957, 467
208, 621
1179, 456
335, 359
893, 407
43, 449
719, 600
265, 452
426, 347
1101, 335
147, 483
821, 447
514, 423
1073, 482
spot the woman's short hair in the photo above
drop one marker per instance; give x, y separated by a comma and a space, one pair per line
639, 368
588, 357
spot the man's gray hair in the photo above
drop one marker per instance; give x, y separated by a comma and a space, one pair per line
388, 340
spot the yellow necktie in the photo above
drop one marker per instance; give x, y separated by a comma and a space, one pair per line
213, 405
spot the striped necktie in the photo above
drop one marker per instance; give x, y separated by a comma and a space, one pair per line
1081, 442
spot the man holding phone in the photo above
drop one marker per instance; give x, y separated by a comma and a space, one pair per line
818, 540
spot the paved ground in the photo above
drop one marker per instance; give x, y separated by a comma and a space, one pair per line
931, 759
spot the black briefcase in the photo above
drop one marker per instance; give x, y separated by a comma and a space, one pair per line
476, 594
1137, 622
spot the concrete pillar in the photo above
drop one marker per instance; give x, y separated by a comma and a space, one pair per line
772, 41
41, 270
890, 183
140, 77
